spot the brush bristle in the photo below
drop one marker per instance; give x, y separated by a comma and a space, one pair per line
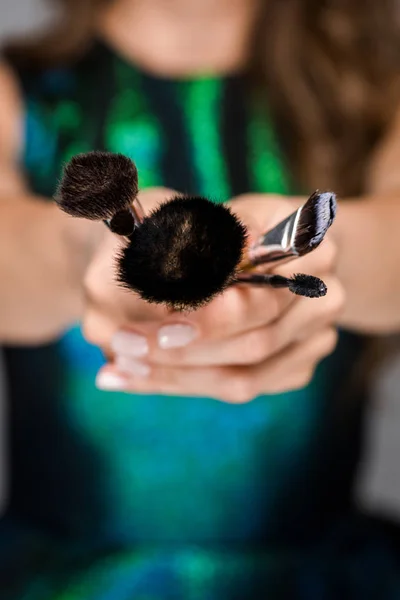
317, 215
184, 253
307, 285
97, 185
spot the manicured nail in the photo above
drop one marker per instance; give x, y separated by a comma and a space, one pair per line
175, 336
133, 367
129, 344
110, 381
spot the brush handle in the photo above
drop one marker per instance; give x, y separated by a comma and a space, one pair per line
275, 245
137, 211
278, 243
122, 223
264, 279
125, 221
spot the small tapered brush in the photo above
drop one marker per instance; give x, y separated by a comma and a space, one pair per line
299, 284
189, 249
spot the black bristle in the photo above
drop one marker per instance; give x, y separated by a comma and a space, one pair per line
307, 285
300, 284
317, 215
96, 185
184, 253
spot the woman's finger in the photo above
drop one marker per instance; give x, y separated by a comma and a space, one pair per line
177, 344
320, 260
305, 317
294, 367
289, 370
238, 309
244, 308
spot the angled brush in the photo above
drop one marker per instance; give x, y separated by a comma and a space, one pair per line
297, 235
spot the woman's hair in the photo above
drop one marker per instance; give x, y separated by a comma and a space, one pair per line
329, 69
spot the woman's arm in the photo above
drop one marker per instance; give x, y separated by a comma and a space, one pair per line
43, 253
368, 238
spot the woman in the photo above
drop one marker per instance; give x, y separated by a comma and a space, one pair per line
168, 493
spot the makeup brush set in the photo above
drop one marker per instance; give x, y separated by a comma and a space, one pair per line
189, 249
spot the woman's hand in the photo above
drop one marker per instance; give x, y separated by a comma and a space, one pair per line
248, 341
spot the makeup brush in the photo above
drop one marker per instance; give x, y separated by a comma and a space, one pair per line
297, 235
102, 186
300, 284
184, 253
189, 249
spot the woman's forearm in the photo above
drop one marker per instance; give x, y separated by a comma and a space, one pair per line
368, 238
43, 255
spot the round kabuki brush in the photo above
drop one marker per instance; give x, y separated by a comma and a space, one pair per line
189, 249
184, 253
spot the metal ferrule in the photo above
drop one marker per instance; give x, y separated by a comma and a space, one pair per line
278, 244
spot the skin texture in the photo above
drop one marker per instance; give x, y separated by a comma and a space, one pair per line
249, 340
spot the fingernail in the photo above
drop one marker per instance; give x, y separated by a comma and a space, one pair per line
128, 365
110, 381
175, 336
129, 344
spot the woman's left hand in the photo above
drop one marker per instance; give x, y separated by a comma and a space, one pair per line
248, 341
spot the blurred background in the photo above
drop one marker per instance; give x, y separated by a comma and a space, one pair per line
379, 483
21, 16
